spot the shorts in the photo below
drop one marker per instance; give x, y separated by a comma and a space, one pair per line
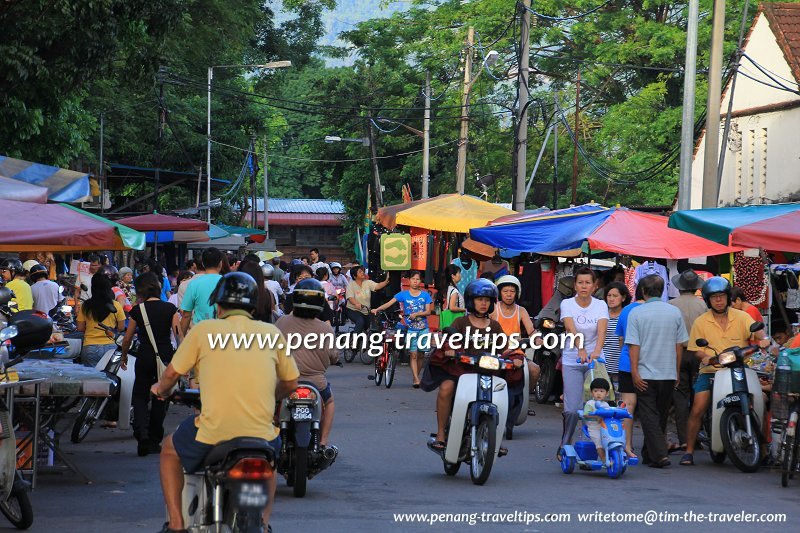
192, 453
326, 393
593, 428
626, 383
704, 383
414, 337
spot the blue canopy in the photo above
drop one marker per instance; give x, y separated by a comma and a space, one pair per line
62, 185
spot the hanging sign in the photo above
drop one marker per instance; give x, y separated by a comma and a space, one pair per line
395, 251
419, 249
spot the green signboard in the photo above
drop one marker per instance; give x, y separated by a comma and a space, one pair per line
396, 251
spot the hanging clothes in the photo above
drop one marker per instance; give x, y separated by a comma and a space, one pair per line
630, 281
548, 280
531, 281
468, 273
649, 268
430, 262
672, 271
749, 275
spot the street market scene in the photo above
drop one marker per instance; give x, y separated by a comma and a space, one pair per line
419, 265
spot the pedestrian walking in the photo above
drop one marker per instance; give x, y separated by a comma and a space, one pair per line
195, 306
616, 296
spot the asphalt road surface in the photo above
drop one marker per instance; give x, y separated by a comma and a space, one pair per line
385, 470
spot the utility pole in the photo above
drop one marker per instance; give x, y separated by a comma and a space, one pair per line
426, 138
461, 165
266, 189
687, 125
711, 160
522, 126
555, 165
162, 115
254, 155
208, 145
575, 140
102, 166
375, 173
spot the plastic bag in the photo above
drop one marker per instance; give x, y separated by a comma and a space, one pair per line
597, 370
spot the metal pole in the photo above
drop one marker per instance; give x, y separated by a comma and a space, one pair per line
266, 190
555, 165
461, 165
426, 139
254, 155
102, 166
575, 144
375, 173
520, 191
711, 160
687, 126
208, 145
538, 160
161, 118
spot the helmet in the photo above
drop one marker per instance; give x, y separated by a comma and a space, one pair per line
268, 270
477, 289
14, 265
237, 290
508, 279
29, 264
37, 271
335, 265
111, 272
716, 285
308, 298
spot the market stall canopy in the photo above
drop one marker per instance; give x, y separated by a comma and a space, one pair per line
62, 185
771, 227
455, 213
163, 237
563, 232
159, 222
241, 230
22, 192
61, 228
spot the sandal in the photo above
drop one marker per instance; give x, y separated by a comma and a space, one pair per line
676, 448
437, 445
560, 453
631, 454
108, 425
687, 459
660, 464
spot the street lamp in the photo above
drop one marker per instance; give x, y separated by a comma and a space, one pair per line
274, 64
336, 139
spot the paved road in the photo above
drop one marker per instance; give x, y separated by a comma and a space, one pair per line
385, 468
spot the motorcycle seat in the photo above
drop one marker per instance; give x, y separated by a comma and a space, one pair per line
221, 451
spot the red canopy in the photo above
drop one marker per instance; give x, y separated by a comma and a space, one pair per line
646, 235
157, 222
778, 233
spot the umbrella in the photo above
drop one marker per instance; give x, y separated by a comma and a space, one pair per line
62, 185
614, 230
771, 227
158, 222
61, 228
11, 189
455, 213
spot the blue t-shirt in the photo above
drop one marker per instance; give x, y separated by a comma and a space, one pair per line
622, 325
414, 304
468, 275
196, 297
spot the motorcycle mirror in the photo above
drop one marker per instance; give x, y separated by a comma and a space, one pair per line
756, 326
66, 308
701, 343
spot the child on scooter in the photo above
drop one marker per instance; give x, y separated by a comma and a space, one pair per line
599, 388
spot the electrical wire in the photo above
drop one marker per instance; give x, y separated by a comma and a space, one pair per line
770, 76
563, 19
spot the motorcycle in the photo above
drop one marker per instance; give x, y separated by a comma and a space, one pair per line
612, 434
92, 409
736, 412
549, 360
478, 418
339, 318
301, 456
231, 491
24, 332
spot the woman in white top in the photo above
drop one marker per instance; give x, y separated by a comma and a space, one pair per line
454, 301
588, 317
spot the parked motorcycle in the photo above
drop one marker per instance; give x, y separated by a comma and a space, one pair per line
92, 409
478, 417
301, 456
339, 317
737, 407
24, 332
231, 491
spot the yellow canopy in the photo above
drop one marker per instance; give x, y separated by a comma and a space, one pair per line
452, 213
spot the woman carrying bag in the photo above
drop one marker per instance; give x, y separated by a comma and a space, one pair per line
153, 317
454, 305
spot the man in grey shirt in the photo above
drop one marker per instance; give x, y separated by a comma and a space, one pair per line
655, 337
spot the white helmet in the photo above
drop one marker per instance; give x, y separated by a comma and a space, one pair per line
334, 264
30, 263
508, 279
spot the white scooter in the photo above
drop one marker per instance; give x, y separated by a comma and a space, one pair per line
478, 417
737, 408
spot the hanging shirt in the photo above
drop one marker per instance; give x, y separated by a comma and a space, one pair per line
468, 275
651, 267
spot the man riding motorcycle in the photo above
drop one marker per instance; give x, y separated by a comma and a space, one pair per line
240, 388
722, 326
14, 277
309, 301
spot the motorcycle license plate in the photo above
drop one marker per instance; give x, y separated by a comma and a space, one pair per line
301, 413
252, 495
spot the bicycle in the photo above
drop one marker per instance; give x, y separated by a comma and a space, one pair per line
386, 363
786, 410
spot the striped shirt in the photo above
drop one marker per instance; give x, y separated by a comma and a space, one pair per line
612, 348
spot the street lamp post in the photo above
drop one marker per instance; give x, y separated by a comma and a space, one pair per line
274, 64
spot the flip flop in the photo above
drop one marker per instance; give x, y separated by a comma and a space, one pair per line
631, 455
415, 385
437, 446
676, 448
687, 459
560, 453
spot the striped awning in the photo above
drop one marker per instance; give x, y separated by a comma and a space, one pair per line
62, 185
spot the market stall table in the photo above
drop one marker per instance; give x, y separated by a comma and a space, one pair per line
33, 439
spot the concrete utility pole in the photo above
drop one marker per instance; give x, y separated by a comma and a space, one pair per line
375, 173
461, 165
162, 115
102, 166
253, 195
522, 124
266, 190
426, 139
575, 144
555, 164
711, 160
687, 126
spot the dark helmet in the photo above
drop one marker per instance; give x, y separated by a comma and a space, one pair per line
111, 272
38, 271
236, 290
477, 289
716, 285
308, 298
600, 383
14, 265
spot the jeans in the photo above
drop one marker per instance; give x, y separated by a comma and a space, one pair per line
360, 320
91, 354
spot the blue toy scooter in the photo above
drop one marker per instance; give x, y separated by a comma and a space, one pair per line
584, 453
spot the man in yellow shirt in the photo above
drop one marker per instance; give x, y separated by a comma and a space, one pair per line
14, 277
240, 388
723, 327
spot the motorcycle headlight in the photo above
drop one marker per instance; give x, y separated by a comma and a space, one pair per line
549, 324
66, 309
8, 333
726, 358
489, 363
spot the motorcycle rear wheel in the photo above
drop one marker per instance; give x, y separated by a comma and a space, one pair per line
789, 459
300, 468
391, 364
746, 456
482, 461
547, 379
366, 358
89, 412
18, 509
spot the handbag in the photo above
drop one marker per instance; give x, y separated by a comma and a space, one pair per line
447, 317
160, 366
792, 294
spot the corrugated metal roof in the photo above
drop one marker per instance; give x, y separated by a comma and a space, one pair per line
301, 205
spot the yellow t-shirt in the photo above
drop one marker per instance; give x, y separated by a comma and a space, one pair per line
95, 336
22, 294
705, 327
238, 386
362, 294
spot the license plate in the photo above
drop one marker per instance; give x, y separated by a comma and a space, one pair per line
301, 413
252, 495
